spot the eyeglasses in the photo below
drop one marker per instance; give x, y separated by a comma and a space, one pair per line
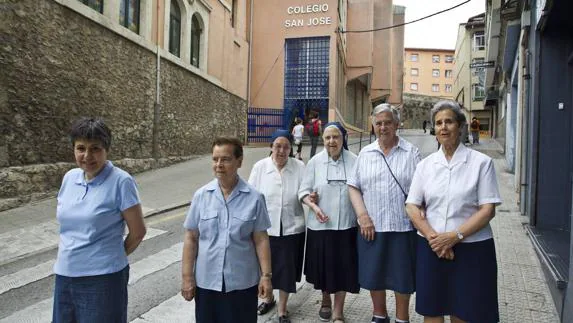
336, 181
282, 147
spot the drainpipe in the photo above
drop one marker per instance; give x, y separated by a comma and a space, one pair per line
249, 68
157, 104
525, 165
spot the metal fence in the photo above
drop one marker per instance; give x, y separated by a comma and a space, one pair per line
262, 122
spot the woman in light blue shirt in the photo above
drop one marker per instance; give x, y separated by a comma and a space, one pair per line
95, 202
331, 261
226, 254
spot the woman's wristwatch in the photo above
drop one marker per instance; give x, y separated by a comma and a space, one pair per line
267, 275
460, 235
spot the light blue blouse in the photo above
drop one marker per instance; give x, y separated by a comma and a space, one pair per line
226, 248
91, 223
328, 178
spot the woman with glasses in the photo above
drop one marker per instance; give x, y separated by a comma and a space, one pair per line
278, 177
378, 187
331, 262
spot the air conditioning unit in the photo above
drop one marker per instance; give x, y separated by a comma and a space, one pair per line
525, 18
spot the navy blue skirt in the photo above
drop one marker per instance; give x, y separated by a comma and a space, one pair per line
287, 256
220, 307
331, 260
388, 262
465, 287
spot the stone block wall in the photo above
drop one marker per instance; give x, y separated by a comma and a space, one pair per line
416, 109
57, 65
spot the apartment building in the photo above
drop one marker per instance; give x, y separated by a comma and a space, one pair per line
469, 72
429, 72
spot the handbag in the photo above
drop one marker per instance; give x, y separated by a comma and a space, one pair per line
392, 173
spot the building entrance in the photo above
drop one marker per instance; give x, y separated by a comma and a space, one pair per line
306, 78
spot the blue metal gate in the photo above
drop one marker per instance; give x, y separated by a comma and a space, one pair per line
306, 78
262, 122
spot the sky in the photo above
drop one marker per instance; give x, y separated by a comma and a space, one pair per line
439, 31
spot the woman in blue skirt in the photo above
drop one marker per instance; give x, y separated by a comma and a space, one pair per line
456, 265
386, 243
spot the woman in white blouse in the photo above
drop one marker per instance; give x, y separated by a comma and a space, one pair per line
331, 262
456, 271
278, 177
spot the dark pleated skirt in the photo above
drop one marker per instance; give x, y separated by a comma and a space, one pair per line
388, 262
331, 260
287, 254
220, 307
465, 287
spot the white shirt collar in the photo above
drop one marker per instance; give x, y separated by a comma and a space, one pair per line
460, 156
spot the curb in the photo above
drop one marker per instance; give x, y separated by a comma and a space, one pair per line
166, 208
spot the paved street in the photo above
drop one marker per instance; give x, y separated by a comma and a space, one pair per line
28, 236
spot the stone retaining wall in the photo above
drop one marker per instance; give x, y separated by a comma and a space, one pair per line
23, 184
57, 65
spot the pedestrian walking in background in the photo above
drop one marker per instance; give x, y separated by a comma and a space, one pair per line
226, 244
424, 124
278, 178
331, 263
297, 133
314, 130
386, 244
474, 128
95, 203
456, 261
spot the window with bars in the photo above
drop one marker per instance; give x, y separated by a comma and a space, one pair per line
307, 75
129, 14
96, 5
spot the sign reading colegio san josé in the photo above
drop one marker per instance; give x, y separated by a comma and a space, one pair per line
308, 9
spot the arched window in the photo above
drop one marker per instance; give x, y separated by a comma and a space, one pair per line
129, 14
175, 29
196, 31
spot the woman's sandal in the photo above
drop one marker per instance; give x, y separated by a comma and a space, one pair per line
338, 319
265, 307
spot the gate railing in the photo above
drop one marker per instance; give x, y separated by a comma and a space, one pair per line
262, 122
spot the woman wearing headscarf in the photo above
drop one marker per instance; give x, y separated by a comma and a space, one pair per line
278, 177
331, 261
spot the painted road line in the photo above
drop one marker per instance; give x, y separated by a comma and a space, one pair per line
174, 309
45, 269
155, 262
18, 243
38, 313
42, 311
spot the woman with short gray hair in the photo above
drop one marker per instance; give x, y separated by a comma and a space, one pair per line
455, 251
378, 186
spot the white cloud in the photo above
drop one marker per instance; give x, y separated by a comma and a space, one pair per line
438, 31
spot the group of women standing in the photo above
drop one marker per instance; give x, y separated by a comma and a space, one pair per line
244, 239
